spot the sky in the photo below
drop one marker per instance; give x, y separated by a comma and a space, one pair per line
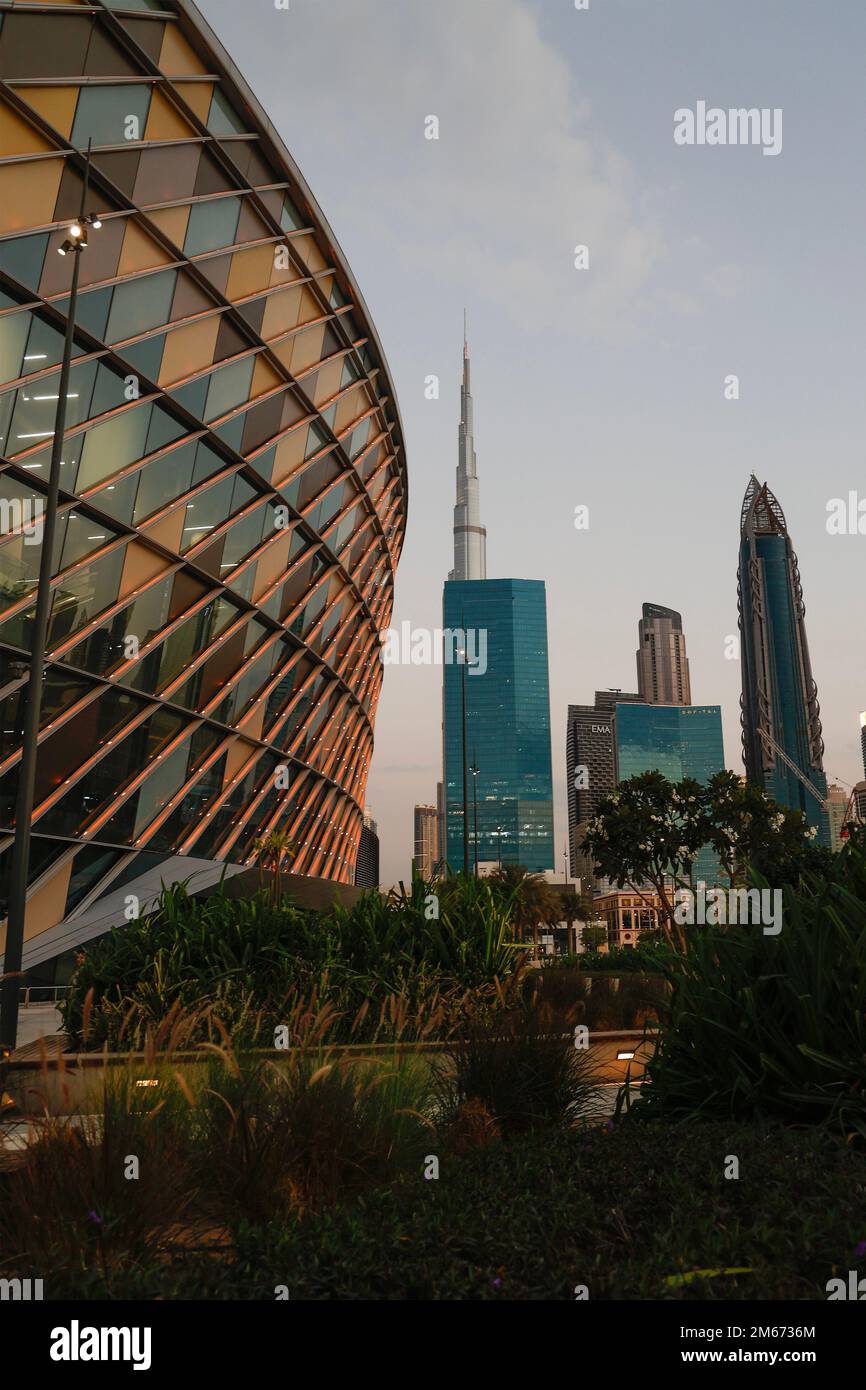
602, 387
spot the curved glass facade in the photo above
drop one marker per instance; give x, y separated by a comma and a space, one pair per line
233, 486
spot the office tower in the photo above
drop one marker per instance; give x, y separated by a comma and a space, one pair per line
662, 664
440, 818
782, 744
233, 486
507, 724
367, 864
837, 805
863, 740
470, 537
590, 768
677, 740
426, 855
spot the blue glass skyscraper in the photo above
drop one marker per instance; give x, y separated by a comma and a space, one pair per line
782, 745
678, 741
507, 723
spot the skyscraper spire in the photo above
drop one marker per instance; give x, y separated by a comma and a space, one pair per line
470, 537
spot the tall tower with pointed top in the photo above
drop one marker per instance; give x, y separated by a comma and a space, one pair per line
470, 537
782, 744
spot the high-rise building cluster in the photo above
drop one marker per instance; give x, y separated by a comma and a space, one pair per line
660, 728
494, 803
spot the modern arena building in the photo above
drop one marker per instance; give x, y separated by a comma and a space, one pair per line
233, 485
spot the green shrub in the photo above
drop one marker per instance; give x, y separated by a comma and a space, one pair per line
71, 1203
279, 1139
247, 961
772, 1026
519, 1068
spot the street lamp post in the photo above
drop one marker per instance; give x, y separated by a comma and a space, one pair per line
9, 987
475, 807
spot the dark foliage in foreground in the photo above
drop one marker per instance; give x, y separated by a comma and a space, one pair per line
772, 1026
623, 1211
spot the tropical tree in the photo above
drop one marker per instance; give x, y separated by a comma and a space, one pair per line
749, 830
574, 907
593, 936
536, 904
649, 832
270, 851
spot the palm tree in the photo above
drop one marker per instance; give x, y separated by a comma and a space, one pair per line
270, 852
573, 906
535, 902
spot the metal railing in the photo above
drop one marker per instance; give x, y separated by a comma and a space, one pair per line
49, 994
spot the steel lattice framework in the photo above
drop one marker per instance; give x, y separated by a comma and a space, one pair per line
233, 499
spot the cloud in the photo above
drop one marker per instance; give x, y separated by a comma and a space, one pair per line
517, 179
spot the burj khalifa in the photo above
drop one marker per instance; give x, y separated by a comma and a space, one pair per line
470, 537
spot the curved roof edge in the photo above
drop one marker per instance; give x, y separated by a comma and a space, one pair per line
196, 19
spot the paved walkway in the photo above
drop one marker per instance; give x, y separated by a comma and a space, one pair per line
38, 1021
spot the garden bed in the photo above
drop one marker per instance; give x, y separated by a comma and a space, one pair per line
628, 1211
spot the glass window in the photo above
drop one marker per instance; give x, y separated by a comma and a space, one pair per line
108, 392
22, 258
290, 218
118, 499
243, 537
211, 224
192, 807
91, 311
103, 114
31, 48
164, 429
44, 346
164, 480
119, 765
228, 388
223, 119
145, 618
22, 508
232, 432
166, 173
207, 462
192, 396
14, 329
141, 304
79, 535
109, 447
89, 866
145, 357
83, 595
36, 407
209, 510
